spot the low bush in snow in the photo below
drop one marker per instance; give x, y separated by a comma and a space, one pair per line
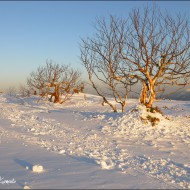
152, 115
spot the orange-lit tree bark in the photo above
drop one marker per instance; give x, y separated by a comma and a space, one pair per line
157, 50
59, 82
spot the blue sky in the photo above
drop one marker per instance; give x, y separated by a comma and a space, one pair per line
31, 32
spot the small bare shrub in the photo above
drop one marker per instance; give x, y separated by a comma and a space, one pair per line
153, 120
154, 110
11, 91
144, 120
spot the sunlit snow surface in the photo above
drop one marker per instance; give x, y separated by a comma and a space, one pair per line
82, 144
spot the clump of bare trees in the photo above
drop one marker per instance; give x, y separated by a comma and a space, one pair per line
58, 82
149, 47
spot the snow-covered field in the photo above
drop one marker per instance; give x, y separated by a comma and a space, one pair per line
82, 144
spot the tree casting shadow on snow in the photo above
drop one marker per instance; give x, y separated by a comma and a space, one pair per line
105, 115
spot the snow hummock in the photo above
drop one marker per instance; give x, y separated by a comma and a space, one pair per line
26, 187
37, 168
61, 151
106, 164
134, 123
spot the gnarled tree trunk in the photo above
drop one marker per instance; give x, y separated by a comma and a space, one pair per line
152, 96
143, 95
56, 94
123, 105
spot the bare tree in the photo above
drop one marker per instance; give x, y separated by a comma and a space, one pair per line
11, 91
59, 82
157, 51
36, 80
24, 91
101, 57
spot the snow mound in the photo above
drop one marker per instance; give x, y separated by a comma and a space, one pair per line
62, 152
138, 121
152, 116
106, 164
37, 168
26, 187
